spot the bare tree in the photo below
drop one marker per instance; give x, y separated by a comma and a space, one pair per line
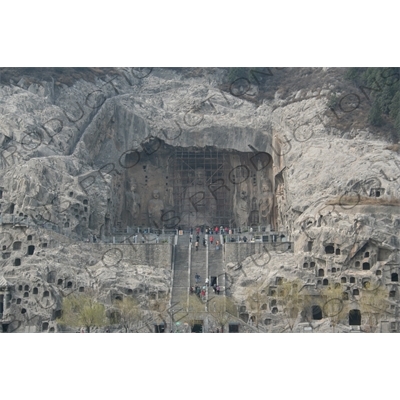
83, 310
158, 310
221, 309
127, 312
256, 299
373, 304
195, 310
292, 300
332, 304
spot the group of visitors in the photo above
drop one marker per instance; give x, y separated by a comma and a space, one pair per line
217, 230
92, 238
217, 243
216, 288
210, 231
196, 245
197, 242
200, 292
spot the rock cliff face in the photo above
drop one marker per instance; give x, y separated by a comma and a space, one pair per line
85, 158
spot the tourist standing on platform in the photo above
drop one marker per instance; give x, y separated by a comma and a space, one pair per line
216, 230
197, 245
211, 239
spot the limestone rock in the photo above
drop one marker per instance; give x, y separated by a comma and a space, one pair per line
66, 153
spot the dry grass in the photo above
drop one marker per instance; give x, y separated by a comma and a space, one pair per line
355, 200
394, 147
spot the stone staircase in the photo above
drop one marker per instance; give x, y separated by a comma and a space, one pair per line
198, 262
207, 262
181, 275
216, 269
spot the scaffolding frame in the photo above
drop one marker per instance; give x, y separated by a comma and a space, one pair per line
216, 166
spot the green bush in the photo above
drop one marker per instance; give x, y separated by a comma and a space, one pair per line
382, 86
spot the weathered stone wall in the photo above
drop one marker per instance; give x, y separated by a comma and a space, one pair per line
237, 252
65, 153
157, 255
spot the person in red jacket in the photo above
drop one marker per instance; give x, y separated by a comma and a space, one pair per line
211, 239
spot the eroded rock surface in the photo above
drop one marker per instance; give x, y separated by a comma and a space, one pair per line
85, 159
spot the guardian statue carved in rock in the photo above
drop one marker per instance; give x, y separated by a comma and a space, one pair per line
242, 210
266, 203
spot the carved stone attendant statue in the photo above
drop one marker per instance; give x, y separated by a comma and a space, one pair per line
200, 206
135, 203
155, 209
132, 204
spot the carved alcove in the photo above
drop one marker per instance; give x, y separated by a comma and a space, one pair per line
166, 186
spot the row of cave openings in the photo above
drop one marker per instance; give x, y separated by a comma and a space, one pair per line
356, 291
78, 213
46, 293
75, 208
330, 249
316, 314
320, 272
18, 246
394, 277
354, 315
81, 289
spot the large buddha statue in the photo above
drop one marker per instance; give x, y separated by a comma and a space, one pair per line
200, 206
